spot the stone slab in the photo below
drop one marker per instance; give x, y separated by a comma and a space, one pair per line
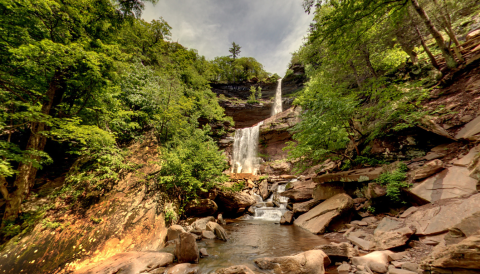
469, 130
356, 175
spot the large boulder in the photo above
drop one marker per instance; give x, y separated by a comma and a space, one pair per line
467, 227
234, 202
464, 255
201, 207
452, 182
287, 218
378, 260
433, 219
300, 208
237, 269
318, 218
129, 263
309, 262
391, 233
218, 230
174, 231
339, 251
201, 224
469, 130
186, 250
298, 195
327, 190
263, 189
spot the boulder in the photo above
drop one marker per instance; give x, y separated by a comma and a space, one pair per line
129, 263
174, 231
183, 269
375, 190
467, 227
237, 269
186, 250
201, 224
469, 130
218, 230
203, 252
318, 218
287, 218
464, 255
208, 234
452, 182
433, 219
309, 262
327, 190
234, 202
375, 258
391, 233
356, 175
340, 251
300, 208
298, 195
201, 207
263, 189
428, 169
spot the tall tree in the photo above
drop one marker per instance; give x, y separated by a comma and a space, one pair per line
234, 50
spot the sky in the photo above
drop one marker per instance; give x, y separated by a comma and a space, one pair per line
268, 30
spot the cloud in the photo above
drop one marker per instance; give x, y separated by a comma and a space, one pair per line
268, 30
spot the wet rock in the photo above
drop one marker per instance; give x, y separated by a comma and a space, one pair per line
186, 250
318, 218
234, 202
428, 169
183, 269
220, 219
201, 224
251, 210
437, 218
452, 182
203, 252
300, 208
376, 258
208, 234
327, 190
391, 233
238, 269
287, 218
394, 270
174, 231
356, 175
464, 255
263, 189
339, 250
218, 230
129, 263
309, 262
201, 207
375, 190
269, 204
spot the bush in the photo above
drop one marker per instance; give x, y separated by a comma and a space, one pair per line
394, 181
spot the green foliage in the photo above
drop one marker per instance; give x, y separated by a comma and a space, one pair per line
234, 50
371, 209
96, 220
230, 70
394, 181
170, 215
236, 187
253, 98
192, 163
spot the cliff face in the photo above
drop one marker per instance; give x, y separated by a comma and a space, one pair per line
128, 218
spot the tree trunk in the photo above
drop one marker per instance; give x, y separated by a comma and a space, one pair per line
425, 48
357, 78
449, 59
26, 171
407, 48
366, 56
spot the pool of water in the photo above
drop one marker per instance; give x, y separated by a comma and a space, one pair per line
251, 239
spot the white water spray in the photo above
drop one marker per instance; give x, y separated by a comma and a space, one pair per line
277, 102
262, 212
245, 150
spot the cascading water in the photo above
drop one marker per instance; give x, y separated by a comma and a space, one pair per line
264, 212
245, 150
277, 102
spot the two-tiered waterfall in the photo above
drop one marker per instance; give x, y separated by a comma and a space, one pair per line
245, 145
277, 102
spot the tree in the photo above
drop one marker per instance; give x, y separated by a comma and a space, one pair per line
234, 50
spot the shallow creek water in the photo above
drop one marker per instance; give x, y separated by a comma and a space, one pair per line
251, 239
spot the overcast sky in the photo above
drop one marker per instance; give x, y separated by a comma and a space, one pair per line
268, 30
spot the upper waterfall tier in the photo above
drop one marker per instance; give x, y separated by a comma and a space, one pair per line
245, 150
277, 102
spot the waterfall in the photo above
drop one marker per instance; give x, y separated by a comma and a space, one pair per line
245, 150
277, 102
263, 212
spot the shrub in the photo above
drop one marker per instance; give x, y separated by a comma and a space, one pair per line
394, 181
